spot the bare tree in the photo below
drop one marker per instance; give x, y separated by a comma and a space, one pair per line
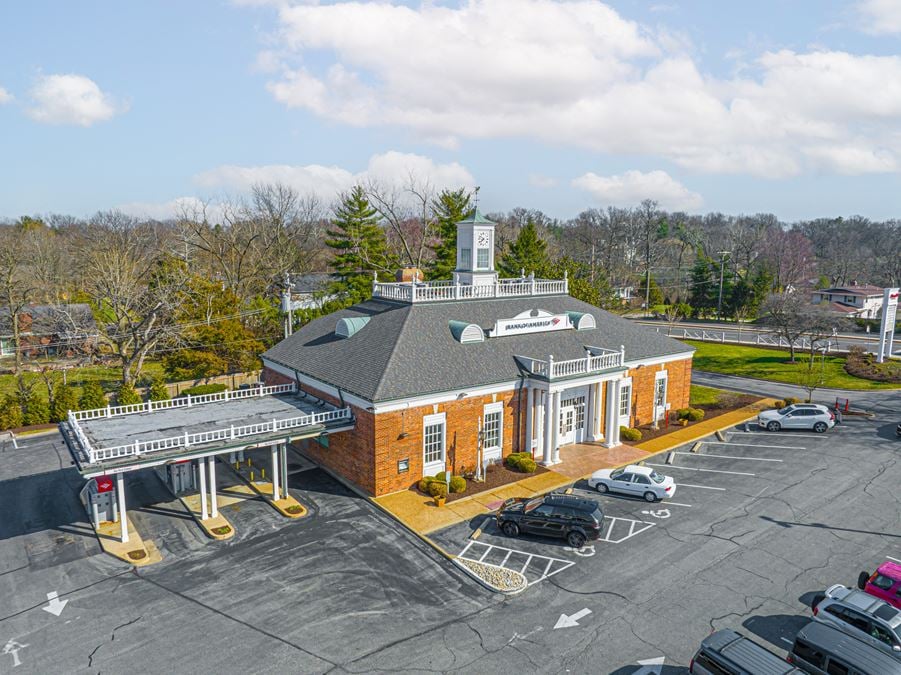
408, 216
18, 285
785, 313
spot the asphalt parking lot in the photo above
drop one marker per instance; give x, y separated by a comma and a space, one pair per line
758, 524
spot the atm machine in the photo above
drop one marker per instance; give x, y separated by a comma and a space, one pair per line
181, 476
100, 498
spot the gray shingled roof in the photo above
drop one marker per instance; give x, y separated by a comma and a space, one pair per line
408, 349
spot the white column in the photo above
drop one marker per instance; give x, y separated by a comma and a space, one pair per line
539, 422
283, 462
529, 419
549, 420
589, 413
123, 518
555, 447
596, 430
214, 506
611, 436
201, 469
274, 455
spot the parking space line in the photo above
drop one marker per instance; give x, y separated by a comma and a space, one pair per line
465, 549
677, 503
745, 445
768, 433
487, 551
506, 558
550, 563
523, 570
551, 567
891, 558
703, 487
690, 468
751, 459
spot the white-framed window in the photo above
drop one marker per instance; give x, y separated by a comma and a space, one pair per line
660, 388
577, 403
433, 437
493, 426
482, 258
466, 258
6, 347
625, 399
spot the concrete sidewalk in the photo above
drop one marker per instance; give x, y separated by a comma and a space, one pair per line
419, 513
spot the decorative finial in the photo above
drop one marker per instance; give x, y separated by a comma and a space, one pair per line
522, 272
476, 199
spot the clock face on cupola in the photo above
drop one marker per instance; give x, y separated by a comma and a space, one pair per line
484, 239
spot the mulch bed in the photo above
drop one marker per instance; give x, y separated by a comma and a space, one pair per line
727, 403
497, 476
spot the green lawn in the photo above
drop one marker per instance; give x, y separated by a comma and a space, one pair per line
701, 395
109, 378
773, 364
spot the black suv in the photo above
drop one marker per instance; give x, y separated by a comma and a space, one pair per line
555, 515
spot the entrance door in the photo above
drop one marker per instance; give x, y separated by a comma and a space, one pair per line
572, 420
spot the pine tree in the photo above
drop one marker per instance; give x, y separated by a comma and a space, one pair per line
528, 252
10, 413
92, 396
158, 391
126, 395
704, 287
65, 398
359, 244
449, 208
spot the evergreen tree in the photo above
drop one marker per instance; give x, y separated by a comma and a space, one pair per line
158, 391
360, 246
10, 413
126, 395
655, 297
528, 252
92, 396
449, 208
35, 409
65, 398
704, 287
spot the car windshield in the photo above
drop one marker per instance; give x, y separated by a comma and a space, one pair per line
617, 473
532, 504
883, 582
657, 478
785, 410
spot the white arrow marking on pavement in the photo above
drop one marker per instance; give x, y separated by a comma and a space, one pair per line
650, 666
55, 607
13, 647
572, 620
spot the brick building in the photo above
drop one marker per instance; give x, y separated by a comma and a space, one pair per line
448, 375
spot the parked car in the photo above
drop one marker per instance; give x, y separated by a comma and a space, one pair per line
726, 651
641, 481
821, 650
862, 616
798, 416
575, 519
884, 583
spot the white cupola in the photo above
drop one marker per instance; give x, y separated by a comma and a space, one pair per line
475, 251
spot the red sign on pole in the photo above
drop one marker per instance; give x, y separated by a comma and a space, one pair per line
104, 483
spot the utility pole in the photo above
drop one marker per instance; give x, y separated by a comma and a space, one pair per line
719, 303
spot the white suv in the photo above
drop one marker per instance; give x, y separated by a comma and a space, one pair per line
798, 416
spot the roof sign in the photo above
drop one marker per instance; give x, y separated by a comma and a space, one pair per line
349, 326
466, 332
533, 321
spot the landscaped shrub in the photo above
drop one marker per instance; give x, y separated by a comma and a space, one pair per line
682, 413
158, 391
126, 395
10, 413
202, 389
458, 484
695, 414
92, 396
628, 434
424, 484
791, 400
521, 461
438, 489
442, 476
64, 399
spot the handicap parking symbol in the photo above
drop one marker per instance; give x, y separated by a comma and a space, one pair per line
661, 513
585, 551
12, 647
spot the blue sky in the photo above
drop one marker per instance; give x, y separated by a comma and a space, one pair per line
792, 107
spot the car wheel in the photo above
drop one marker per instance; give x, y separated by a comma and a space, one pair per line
817, 599
862, 580
575, 539
773, 426
650, 496
602, 488
510, 529
820, 427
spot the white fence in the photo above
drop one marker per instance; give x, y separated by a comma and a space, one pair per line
596, 360
437, 291
187, 401
750, 338
187, 440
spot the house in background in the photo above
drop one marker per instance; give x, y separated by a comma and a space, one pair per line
50, 330
310, 291
853, 301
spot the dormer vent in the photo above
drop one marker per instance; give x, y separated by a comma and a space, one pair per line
349, 326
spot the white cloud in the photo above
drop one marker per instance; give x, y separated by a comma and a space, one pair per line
172, 209
540, 181
880, 16
631, 187
390, 168
5, 96
576, 72
71, 99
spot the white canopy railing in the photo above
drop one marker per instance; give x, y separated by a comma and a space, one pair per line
186, 401
596, 359
440, 291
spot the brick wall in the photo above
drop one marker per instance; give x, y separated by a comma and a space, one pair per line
643, 378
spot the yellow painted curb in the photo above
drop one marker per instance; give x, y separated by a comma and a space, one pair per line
135, 552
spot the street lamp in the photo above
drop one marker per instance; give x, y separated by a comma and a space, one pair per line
719, 303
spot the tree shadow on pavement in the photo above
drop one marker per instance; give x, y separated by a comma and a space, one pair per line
822, 526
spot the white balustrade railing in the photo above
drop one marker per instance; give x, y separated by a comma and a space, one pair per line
596, 360
442, 291
187, 401
187, 440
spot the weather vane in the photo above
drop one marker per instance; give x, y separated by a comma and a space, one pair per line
476, 198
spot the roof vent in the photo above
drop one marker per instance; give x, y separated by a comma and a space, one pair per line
466, 332
350, 326
582, 321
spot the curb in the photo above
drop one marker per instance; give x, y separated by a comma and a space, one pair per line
491, 587
208, 531
268, 497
